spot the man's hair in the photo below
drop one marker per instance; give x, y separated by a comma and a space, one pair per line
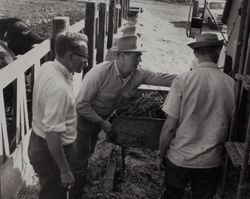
212, 51
68, 42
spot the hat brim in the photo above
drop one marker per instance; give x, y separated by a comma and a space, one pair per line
134, 50
195, 45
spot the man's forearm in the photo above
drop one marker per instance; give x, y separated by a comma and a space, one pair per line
158, 79
85, 110
167, 134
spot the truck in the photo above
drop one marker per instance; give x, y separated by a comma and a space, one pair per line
213, 12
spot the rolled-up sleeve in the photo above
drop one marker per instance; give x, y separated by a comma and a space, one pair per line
87, 93
157, 79
54, 113
172, 104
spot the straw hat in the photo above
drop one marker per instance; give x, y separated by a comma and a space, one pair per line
131, 30
128, 43
206, 40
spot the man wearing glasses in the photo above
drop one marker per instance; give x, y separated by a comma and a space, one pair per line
54, 116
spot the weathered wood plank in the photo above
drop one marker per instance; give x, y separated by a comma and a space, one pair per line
90, 31
111, 23
101, 34
108, 182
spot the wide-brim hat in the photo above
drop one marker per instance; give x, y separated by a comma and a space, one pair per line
206, 40
131, 30
128, 43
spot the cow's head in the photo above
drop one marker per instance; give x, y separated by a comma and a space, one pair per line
19, 37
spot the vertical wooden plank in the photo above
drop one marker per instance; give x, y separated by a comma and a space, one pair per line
110, 174
18, 113
22, 90
116, 17
111, 23
60, 24
37, 68
24, 118
25, 111
102, 33
12, 134
90, 30
195, 8
122, 8
120, 14
125, 9
2, 111
107, 20
243, 182
4, 135
128, 5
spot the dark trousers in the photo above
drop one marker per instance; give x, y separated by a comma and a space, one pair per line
87, 136
203, 182
46, 168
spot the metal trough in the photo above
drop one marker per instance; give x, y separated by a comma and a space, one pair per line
130, 129
135, 132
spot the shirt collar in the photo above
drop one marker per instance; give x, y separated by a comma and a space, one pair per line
207, 65
118, 73
63, 70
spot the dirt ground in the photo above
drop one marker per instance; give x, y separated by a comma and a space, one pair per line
162, 26
38, 14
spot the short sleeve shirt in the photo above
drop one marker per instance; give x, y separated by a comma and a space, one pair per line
54, 102
202, 100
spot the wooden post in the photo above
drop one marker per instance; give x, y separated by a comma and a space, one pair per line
243, 186
127, 8
59, 24
102, 33
107, 21
122, 7
120, 14
124, 3
108, 181
90, 30
116, 17
111, 24
195, 8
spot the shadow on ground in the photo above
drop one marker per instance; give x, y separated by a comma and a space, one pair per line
179, 24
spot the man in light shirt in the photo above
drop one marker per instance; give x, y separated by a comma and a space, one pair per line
54, 116
199, 108
102, 89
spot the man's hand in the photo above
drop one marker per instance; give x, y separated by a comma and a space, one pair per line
160, 163
67, 179
106, 126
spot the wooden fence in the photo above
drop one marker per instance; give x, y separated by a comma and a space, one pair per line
102, 21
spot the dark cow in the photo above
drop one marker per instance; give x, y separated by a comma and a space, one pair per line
19, 37
6, 55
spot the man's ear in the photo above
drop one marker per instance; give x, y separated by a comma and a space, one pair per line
69, 55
